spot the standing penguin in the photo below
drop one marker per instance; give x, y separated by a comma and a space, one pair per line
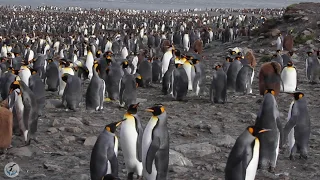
269, 118
218, 88
186, 42
244, 79
25, 74
297, 129
243, 159
289, 78
226, 64
114, 75
6, 122
232, 73
279, 42
200, 77
131, 141
72, 96
128, 90
155, 145
156, 70
166, 59
145, 70
30, 111
179, 82
52, 76
64, 70
312, 67
96, 90
89, 63
37, 87
278, 58
104, 154
269, 77
190, 70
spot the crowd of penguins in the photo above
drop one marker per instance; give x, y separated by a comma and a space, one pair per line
36, 59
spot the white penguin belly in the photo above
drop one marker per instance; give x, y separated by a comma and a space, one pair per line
109, 170
165, 62
146, 141
291, 140
250, 89
89, 64
187, 66
25, 75
128, 143
135, 64
186, 42
253, 164
289, 78
124, 53
62, 84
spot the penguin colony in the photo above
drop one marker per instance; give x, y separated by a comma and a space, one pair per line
116, 63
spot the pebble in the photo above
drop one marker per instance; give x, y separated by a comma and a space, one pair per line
52, 130
55, 123
73, 129
197, 149
52, 167
179, 170
90, 141
73, 121
22, 152
176, 158
38, 176
227, 141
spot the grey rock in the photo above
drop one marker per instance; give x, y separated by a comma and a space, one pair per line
215, 129
179, 170
55, 123
52, 167
90, 141
197, 149
52, 103
220, 167
84, 177
73, 121
309, 42
275, 32
22, 152
52, 130
70, 138
73, 129
176, 158
226, 141
62, 128
140, 100
261, 51
305, 18
306, 32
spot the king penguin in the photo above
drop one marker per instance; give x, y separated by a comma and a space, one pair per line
190, 70
131, 141
104, 154
145, 70
30, 112
166, 59
72, 96
269, 77
155, 145
218, 88
200, 76
269, 118
232, 73
289, 78
52, 76
128, 90
64, 70
243, 159
312, 67
114, 75
25, 73
6, 121
226, 64
156, 70
96, 90
89, 64
179, 82
37, 87
244, 79
297, 129
186, 42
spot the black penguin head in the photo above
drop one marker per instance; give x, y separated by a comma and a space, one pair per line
289, 64
297, 95
113, 126
309, 53
177, 52
156, 110
278, 51
64, 77
254, 131
133, 108
217, 67
98, 54
290, 53
96, 65
125, 64
139, 81
233, 52
271, 91
33, 71
228, 59
14, 85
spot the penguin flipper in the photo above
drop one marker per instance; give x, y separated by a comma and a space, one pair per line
139, 140
113, 162
288, 127
161, 163
280, 128
151, 154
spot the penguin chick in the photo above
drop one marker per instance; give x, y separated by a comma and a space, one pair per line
297, 129
6, 121
131, 141
104, 154
243, 159
155, 145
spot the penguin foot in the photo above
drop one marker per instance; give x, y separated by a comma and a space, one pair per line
303, 157
139, 177
291, 157
272, 169
130, 176
107, 99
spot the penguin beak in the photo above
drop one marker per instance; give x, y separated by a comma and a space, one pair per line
149, 110
136, 105
118, 124
264, 130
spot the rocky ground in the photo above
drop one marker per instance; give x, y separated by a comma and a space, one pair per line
201, 134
